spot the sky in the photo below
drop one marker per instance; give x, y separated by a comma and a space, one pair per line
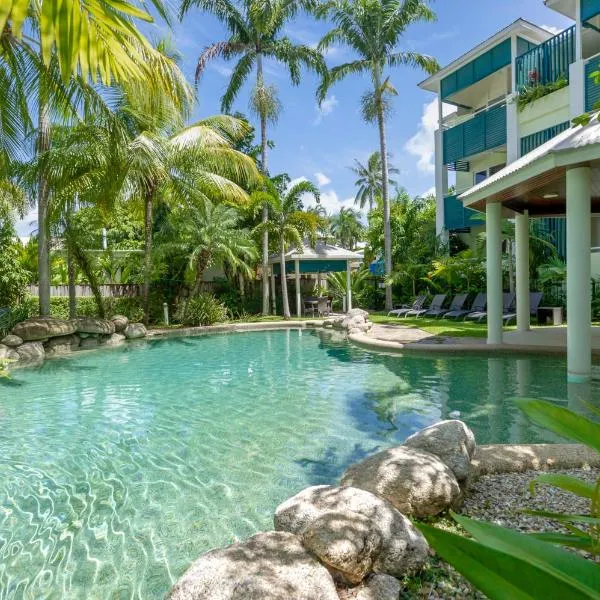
320, 144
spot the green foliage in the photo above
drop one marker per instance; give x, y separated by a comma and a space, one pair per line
203, 309
338, 288
347, 228
506, 564
370, 180
13, 277
531, 93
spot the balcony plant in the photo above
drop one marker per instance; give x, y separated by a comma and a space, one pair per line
534, 90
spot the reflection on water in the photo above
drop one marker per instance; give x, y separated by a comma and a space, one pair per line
118, 468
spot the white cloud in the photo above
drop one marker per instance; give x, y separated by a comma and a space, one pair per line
322, 179
552, 29
422, 144
28, 224
326, 108
222, 70
331, 202
296, 181
429, 192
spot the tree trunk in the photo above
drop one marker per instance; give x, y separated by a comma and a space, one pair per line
71, 274
148, 225
201, 264
265, 169
387, 232
284, 291
242, 288
84, 263
43, 145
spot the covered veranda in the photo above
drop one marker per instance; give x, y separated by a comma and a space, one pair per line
320, 259
560, 178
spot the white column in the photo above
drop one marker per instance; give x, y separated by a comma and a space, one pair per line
522, 251
441, 170
579, 332
298, 294
273, 296
348, 286
494, 271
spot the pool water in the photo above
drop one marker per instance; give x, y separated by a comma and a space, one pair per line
119, 467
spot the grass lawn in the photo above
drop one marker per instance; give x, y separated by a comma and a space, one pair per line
444, 327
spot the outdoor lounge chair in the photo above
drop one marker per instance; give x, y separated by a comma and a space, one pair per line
417, 305
436, 304
479, 304
457, 304
508, 300
535, 299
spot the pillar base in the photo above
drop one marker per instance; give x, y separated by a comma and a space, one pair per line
577, 378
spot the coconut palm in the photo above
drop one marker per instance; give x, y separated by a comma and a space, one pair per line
372, 29
255, 28
370, 180
287, 222
208, 234
347, 228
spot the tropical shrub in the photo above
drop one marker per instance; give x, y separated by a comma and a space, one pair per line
13, 277
507, 564
535, 91
203, 309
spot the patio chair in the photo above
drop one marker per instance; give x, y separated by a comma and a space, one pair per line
417, 305
535, 299
457, 303
436, 304
508, 301
479, 304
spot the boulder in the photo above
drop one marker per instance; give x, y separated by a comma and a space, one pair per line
134, 331
358, 312
12, 341
89, 343
417, 483
42, 328
120, 322
268, 566
353, 532
116, 339
63, 344
31, 351
379, 587
95, 326
451, 441
8, 353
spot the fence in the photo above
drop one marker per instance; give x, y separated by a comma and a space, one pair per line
112, 290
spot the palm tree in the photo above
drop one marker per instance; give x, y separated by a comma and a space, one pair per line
370, 180
208, 234
347, 228
372, 29
255, 28
287, 222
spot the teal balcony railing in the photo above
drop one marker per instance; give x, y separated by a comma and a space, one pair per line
592, 89
486, 130
456, 216
547, 62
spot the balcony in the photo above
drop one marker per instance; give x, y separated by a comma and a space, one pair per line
457, 218
592, 89
483, 131
548, 62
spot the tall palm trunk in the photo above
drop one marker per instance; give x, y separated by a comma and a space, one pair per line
72, 286
387, 231
201, 265
148, 224
260, 82
43, 145
284, 291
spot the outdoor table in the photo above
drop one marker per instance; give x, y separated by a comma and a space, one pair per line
546, 312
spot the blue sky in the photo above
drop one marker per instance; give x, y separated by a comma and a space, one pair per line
320, 145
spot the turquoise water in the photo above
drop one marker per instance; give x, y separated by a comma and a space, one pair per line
119, 467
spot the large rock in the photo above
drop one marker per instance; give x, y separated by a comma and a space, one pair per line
98, 326
89, 343
64, 344
120, 322
417, 483
12, 341
379, 587
42, 328
31, 352
353, 532
116, 339
8, 353
268, 566
134, 331
451, 441
358, 312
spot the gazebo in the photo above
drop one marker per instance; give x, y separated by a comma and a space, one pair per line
322, 258
559, 178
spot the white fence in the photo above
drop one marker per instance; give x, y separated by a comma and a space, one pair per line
113, 290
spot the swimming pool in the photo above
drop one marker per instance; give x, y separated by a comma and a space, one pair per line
119, 467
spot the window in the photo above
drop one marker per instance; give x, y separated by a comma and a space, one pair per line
480, 176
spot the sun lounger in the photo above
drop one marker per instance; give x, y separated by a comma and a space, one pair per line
436, 304
417, 305
535, 299
508, 300
457, 304
479, 304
